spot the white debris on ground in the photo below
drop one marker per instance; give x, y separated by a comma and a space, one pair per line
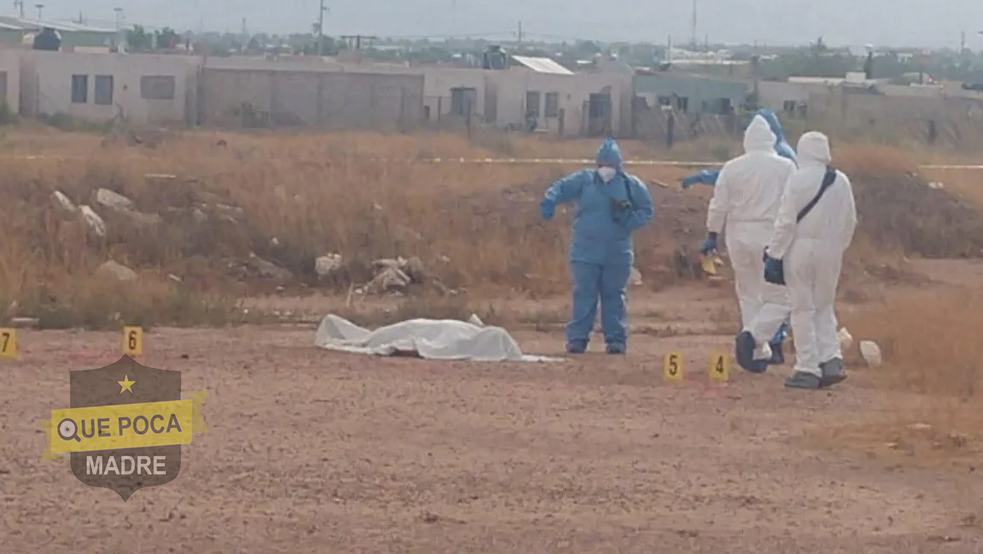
395, 275
844, 338
92, 219
329, 267
117, 271
114, 200
636, 277
63, 202
871, 353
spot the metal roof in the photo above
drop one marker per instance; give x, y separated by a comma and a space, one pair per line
29, 24
543, 65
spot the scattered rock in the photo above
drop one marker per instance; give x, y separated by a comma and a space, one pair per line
390, 279
113, 200
92, 219
475, 320
123, 205
119, 271
63, 202
268, 269
414, 268
636, 277
328, 267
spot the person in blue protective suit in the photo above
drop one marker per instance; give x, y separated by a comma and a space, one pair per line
782, 148
710, 176
611, 205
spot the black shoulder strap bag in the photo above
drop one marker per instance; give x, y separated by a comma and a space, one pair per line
778, 277
827, 181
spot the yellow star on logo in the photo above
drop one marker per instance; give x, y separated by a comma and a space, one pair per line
126, 384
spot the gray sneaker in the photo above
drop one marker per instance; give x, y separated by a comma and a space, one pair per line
803, 380
833, 372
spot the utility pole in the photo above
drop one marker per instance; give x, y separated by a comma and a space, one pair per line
40, 8
119, 30
320, 28
19, 4
519, 36
693, 27
243, 41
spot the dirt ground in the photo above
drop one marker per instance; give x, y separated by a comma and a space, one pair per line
311, 451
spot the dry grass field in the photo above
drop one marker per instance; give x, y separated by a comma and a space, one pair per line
312, 451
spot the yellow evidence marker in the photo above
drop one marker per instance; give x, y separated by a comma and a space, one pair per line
719, 367
133, 341
672, 367
8, 343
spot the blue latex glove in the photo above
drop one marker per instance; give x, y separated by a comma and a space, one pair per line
547, 209
709, 245
774, 270
702, 177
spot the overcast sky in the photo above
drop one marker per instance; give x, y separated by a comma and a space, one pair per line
842, 22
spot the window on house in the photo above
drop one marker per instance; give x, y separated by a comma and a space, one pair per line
104, 90
463, 100
789, 105
552, 107
80, 89
532, 103
665, 101
157, 87
682, 103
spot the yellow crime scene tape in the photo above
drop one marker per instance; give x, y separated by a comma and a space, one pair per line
502, 161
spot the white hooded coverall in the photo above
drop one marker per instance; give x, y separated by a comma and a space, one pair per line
812, 250
746, 198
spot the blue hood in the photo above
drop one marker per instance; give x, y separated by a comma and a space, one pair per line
776, 126
610, 154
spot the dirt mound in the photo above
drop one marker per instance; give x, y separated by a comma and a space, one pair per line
903, 212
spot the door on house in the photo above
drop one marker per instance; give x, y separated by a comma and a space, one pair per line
599, 115
463, 100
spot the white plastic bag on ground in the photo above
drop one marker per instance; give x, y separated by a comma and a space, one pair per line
871, 353
845, 338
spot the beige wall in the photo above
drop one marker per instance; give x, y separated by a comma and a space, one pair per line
10, 67
46, 86
774, 94
574, 91
330, 99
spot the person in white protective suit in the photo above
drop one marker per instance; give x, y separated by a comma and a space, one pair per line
746, 199
815, 226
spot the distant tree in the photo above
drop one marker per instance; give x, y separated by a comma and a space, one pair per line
167, 39
138, 40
